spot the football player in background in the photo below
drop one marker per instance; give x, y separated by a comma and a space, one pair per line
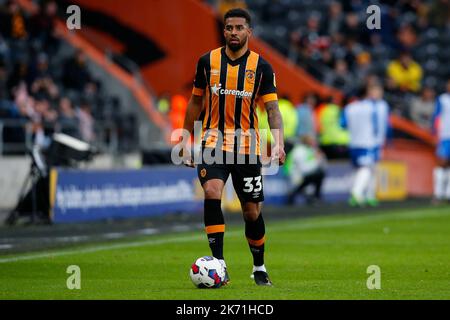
441, 127
368, 123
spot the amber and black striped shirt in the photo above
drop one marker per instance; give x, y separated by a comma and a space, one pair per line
233, 88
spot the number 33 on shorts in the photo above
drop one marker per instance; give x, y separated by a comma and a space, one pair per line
252, 184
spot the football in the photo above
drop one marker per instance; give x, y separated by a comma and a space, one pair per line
207, 272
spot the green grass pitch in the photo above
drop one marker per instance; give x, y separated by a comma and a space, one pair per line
311, 258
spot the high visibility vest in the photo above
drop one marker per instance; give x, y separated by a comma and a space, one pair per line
329, 127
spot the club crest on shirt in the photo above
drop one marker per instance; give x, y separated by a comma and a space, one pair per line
250, 76
203, 173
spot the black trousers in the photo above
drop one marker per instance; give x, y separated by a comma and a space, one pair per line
315, 178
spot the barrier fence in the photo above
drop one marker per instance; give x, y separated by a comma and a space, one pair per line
86, 195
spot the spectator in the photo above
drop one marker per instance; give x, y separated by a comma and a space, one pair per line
76, 74
307, 42
422, 108
407, 36
3, 80
305, 116
13, 22
39, 68
30, 91
42, 82
350, 26
363, 66
14, 27
327, 58
44, 120
312, 32
399, 100
93, 95
5, 54
334, 23
67, 118
86, 122
405, 72
306, 165
289, 116
333, 139
43, 27
341, 77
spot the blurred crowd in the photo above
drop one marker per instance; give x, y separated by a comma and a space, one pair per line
43, 88
409, 54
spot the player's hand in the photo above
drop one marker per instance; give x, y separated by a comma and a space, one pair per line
278, 154
188, 161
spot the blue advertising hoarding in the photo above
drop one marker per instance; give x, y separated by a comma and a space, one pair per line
93, 195
87, 195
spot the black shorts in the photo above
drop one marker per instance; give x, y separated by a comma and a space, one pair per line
247, 178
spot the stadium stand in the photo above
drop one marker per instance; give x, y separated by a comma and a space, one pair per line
329, 39
48, 86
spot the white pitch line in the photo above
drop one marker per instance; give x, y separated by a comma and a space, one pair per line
365, 219
307, 225
99, 248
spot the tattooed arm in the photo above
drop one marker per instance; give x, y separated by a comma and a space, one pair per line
276, 128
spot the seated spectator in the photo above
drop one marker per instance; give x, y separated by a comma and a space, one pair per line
5, 52
94, 96
405, 72
14, 27
407, 36
44, 121
67, 118
363, 66
13, 22
76, 74
31, 82
43, 27
86, 122
335, 21
341, 78
45, 86
38, 68
351, 27
3, 80
422, 107
305, 166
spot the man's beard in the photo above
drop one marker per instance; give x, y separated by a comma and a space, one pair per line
236, 46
